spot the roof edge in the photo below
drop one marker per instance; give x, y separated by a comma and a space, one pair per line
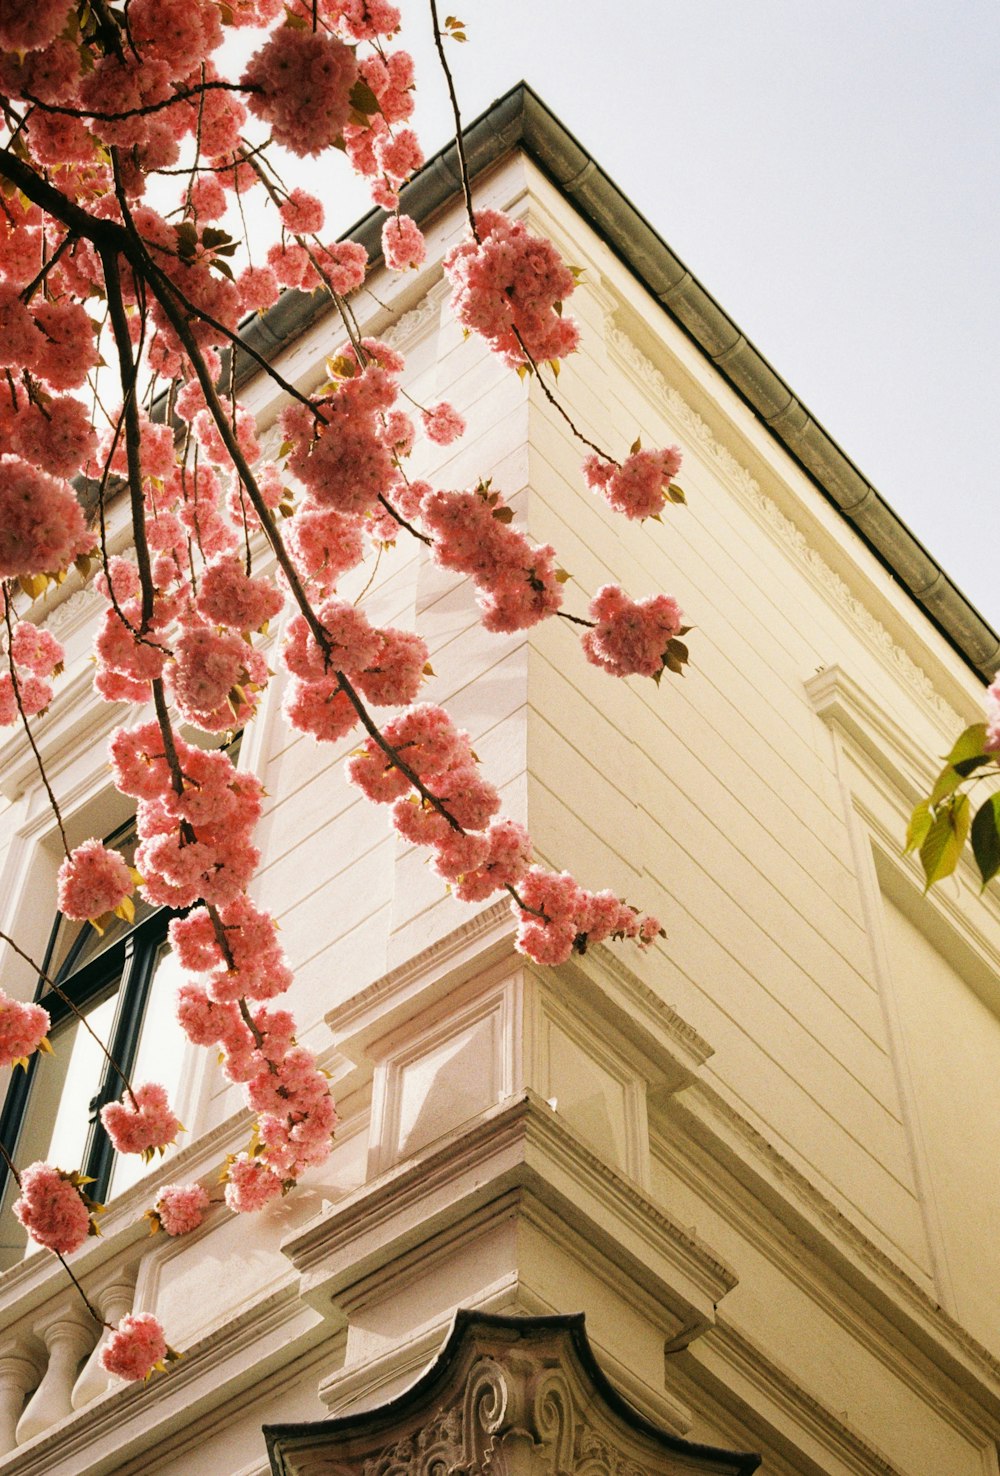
519, 119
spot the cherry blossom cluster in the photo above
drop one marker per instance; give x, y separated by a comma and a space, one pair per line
23, 1028
519, 582
136, 1347
640, 486
33, 659
93, 275
993, 717
179, 1208
142, 1121
510, 286
634, 637
53, 1208
93, 881
559, 916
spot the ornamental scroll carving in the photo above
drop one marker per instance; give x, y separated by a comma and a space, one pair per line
506, 1397
513, 1420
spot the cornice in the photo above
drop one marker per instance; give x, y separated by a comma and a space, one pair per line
520, 120
483, 939
521, 1146
74, 721
843, 703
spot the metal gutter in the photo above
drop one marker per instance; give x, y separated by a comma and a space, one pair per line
520, 119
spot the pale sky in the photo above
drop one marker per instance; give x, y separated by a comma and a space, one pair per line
829, 170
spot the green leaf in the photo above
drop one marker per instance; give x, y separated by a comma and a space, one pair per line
214, 239
971, 744
946, 783
920, 824
362, 99
942, 845
986, 837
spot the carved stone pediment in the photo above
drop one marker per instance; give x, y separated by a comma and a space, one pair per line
507, 1396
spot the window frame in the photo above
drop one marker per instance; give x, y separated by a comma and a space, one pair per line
131, 961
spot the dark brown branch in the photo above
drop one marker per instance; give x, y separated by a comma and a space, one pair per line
184, 95
133, 434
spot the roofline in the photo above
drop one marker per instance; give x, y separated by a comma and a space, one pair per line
520, 120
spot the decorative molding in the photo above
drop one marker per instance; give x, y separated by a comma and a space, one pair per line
766, 509
507, 1396
517, 1160
485, 936
842, 702
411, 326
75, 721
81, 606
819, 1235
641, 1005
133, 1420
731, 1359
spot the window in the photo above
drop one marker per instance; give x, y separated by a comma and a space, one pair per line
52, 1111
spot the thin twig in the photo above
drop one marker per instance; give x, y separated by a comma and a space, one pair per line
86, 1300
27, 726
61, 993
459, 141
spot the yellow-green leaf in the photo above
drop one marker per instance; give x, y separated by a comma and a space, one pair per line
942, 845
970, 744
920, 824
126, 910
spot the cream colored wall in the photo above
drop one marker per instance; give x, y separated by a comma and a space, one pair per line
759, 1177
713, 800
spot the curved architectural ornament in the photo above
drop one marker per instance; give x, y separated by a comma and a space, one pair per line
506, 1396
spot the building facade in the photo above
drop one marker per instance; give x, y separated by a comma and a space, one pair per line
760, 1157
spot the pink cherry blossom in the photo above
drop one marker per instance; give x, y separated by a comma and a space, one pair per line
42, 527
34, 647
302, 82
637, 488
229, 596
993, 717
403, 243
442, 424
93, 880
302, 213
509, 287
51, 1208
630, 636
141, 1121
180, 1208
22, 1028
251, 1184
134, 1349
